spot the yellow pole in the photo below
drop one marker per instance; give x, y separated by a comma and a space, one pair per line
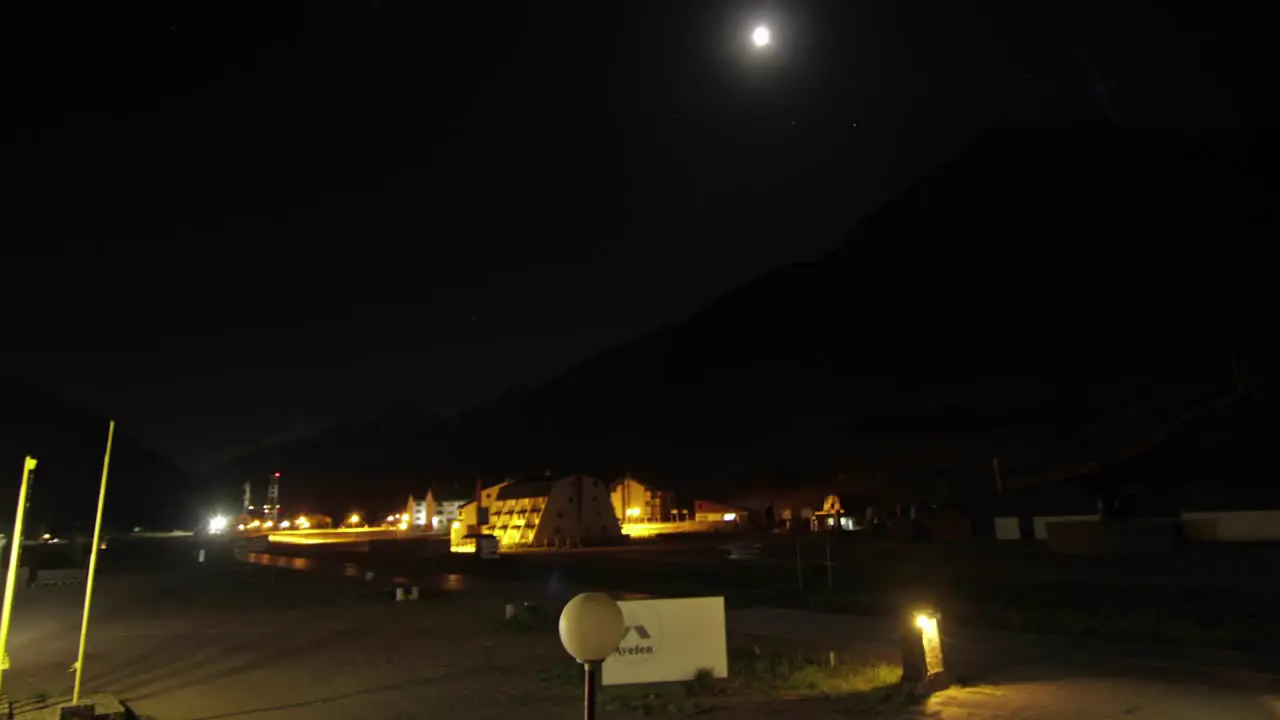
14, 556
93, 563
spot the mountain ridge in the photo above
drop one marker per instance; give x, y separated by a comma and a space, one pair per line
1011, 297
144, 488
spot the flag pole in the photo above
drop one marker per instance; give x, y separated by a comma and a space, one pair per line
93, 563
14, 556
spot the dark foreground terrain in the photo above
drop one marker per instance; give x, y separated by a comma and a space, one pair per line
308, 637
1205, 595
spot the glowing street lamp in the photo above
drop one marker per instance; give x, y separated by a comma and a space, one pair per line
591, 626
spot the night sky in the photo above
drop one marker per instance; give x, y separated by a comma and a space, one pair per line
228, 223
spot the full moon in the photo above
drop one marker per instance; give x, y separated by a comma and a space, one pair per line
761, 36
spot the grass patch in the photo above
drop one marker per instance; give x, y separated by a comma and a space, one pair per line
793, 675
753, 675
1152, 623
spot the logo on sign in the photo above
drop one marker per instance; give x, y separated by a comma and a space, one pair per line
640, 638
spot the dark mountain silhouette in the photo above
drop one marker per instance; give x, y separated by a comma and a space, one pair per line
144, 488
1008, 304
370, 466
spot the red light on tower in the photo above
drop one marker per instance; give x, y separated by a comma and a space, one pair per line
273, 498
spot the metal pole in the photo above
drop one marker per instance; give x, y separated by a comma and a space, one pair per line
15, 553
93, 563
831, 583
589, 690
799, 568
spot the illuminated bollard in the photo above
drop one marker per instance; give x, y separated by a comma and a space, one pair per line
413, 593
200, 556
400, 594
923, 669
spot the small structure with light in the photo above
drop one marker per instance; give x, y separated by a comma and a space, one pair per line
923, 669
591, 628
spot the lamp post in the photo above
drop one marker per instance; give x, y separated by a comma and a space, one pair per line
591, 626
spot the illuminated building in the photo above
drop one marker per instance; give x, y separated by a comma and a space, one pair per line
635, 502
571, 511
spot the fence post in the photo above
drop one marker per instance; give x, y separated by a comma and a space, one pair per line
799, 568
831, 584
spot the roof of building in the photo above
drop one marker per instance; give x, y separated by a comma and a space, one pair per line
648, 486
710, 506
516, 491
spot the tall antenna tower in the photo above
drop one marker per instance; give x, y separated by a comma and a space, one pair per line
272, 508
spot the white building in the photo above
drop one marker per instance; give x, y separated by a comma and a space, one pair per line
574, 510
419, 511
635, 502
448, 512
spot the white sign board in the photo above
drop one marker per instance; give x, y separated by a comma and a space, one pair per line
669, 641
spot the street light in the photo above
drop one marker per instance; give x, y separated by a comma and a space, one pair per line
591, 626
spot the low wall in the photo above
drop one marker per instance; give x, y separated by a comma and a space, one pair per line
639, 530
1116, 538
1041, 523
1212, 526
416, 547
1008, 528
1232, 526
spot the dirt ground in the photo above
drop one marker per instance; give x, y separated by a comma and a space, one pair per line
241, 642
228, 640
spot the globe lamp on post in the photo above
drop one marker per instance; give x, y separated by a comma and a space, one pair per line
591, 626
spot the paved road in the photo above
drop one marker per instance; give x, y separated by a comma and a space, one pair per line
1097, 698
1036, 677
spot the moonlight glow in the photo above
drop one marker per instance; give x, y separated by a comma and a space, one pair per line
761, 36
